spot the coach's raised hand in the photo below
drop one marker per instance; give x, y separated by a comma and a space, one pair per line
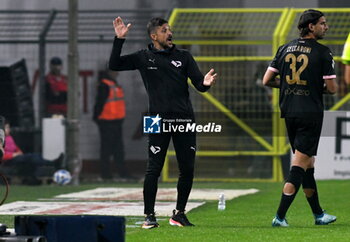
120, 29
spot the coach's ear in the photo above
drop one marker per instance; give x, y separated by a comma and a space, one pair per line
153, 36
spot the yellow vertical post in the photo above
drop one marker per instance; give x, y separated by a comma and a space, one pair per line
277, 174
281, 131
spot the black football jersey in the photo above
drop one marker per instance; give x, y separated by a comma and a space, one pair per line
303, 65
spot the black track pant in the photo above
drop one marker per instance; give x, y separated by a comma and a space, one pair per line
111, 136
185, 148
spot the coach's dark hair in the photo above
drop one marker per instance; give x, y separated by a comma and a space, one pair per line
154, 23
309, 16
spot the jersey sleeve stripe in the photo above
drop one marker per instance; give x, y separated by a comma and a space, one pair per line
273, 69
329, 77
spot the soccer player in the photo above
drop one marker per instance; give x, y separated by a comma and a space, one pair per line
346, 60
306, 70
164, 69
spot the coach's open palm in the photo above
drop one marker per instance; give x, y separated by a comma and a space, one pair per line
120, 29
210, 78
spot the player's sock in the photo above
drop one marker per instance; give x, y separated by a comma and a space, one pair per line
310, 183
295, 177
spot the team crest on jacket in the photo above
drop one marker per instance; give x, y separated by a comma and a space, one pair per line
176, 63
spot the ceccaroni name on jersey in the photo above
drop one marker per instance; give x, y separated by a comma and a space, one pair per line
299, 48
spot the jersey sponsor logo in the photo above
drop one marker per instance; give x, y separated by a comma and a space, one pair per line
297, 92
152, 68
176, 63
151, 124
155, 149
152, 60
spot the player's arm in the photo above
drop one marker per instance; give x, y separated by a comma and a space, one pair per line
329, 75
117, 62
331, 86
347, 74
270, 78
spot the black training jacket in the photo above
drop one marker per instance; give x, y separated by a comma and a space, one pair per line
164, 74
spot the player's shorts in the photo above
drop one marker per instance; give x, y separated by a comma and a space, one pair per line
304, 134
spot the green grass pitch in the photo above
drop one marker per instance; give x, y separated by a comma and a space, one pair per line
247, 218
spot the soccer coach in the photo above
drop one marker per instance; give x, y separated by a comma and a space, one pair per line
164, 69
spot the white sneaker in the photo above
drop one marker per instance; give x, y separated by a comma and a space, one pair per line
277, 222
324, 219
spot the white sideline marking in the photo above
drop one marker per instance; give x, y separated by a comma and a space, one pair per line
89, 208
108, 201
163, 194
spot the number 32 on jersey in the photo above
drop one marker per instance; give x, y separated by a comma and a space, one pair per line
293, 60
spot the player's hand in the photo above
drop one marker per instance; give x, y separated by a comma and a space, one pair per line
210, 78
120, 29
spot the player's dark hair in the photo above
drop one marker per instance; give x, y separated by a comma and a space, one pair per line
309, 16
154, 23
